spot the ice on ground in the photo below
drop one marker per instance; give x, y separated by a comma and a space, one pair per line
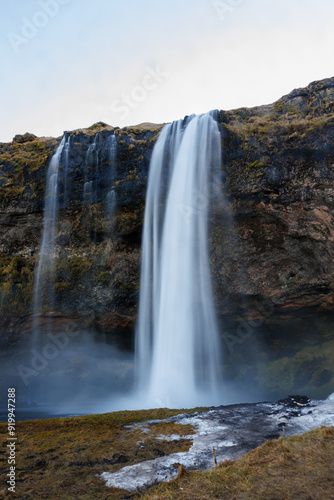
232, 431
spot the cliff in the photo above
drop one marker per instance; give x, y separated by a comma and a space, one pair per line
272, 262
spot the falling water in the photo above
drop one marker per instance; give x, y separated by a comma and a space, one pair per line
66, 170
44, 279
98, 153
91, 162
177, 339
111, 146
88, 193
111, 195
110, 203
90, 185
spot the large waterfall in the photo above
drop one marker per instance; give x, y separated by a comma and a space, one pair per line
178, 350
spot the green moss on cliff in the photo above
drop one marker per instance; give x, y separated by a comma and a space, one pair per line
130, 220
16, 284
305, 372
73, 270
103, 278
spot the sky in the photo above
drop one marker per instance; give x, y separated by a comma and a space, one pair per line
67, 64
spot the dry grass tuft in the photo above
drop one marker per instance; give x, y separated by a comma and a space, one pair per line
300, 467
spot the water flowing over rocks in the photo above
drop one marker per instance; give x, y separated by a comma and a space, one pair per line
272, 263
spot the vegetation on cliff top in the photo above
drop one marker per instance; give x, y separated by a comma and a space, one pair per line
21, 164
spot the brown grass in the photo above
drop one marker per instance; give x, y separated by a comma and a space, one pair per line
62, 458
287, 469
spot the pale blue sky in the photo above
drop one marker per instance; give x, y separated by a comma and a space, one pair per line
82, 60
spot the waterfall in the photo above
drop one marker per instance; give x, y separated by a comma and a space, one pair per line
62, 182
88, 193
110, 203
178, 351
66, 161
91, 162
44, 297
111, 195
100, 153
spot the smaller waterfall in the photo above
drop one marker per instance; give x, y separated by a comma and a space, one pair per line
111, 194
91, 171
99, 176
66, 171
88, 193
44, 279
90, 185
111, 203
62, 181
45, 276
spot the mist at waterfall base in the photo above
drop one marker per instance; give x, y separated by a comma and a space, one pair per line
178, 353
66, 375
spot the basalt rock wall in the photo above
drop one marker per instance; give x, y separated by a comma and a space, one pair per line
272, 252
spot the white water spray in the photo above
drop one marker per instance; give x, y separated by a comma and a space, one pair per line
178, 351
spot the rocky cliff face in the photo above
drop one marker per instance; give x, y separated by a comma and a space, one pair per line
272, 262
97, 262
279, 163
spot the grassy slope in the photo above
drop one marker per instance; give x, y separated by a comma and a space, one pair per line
300, 467
62, 458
